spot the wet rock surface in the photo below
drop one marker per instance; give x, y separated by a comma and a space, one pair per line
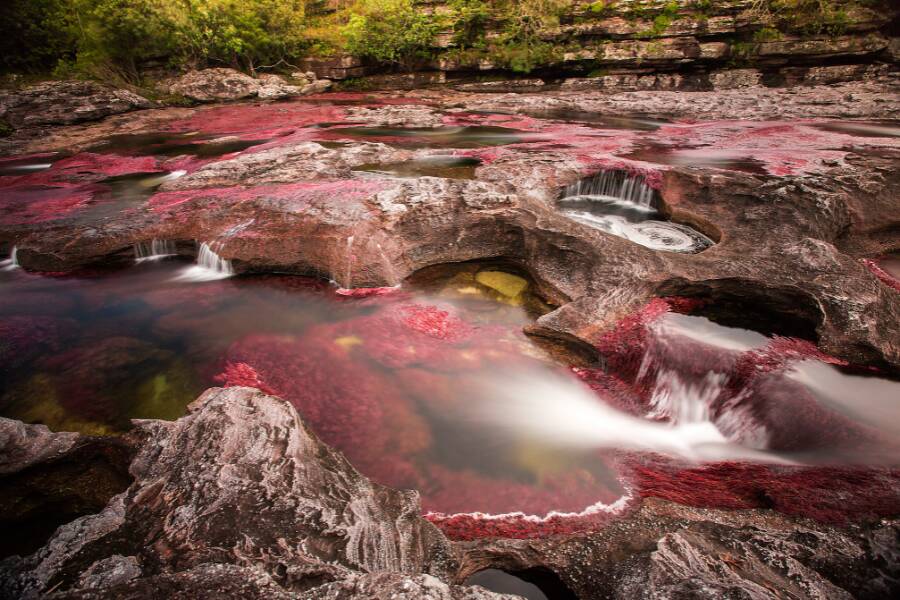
800, 214
220, 486
239, 498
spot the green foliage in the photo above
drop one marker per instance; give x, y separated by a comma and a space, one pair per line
766, 34
389, 31
808, 16
6, 129
662, 21
34, 35
468, 18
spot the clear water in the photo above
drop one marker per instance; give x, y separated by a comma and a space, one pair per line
432, 386
445, 137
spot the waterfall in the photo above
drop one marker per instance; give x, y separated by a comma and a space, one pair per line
348, 281
10, 263
210, 266
618, 185
154, 250
389, 270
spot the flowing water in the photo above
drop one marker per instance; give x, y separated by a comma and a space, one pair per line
626, 206
432, 385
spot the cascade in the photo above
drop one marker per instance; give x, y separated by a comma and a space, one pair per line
210, 266
10, 263
154, 250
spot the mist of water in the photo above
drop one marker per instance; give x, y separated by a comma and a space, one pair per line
10, 263
614, 184
210, 267
154, 250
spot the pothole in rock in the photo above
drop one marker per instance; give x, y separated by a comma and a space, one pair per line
869, 129
728, 160
448, 167
173, 144
746, 304
531, 584
443, 137
599, 120
624, 205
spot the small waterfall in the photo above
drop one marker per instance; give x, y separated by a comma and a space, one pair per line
619, 185
10, 263
389, 270
210, 266
348, 281
154, 250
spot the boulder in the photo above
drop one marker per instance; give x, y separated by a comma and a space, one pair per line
221, 84
65, 103
240, 481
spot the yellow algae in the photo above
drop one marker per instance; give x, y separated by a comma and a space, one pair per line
164, 396
348, 341
507, 284
36, 402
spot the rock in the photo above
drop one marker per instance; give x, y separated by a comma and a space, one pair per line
218, 486
65, 103
47, 479
513, 85
221, 84
392, 586
211, 85
735, 78
667, 551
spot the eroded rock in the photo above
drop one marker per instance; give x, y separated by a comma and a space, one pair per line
240, 480
65, 103
222, 84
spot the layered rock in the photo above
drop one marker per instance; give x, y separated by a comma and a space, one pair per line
239, 481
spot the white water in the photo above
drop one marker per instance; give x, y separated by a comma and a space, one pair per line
614, 185
658, 235
210, 267
154, 250
557, 412
10, 263
389, 271
348, 281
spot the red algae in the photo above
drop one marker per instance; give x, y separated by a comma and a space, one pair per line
882, 275
826, 494
259, 120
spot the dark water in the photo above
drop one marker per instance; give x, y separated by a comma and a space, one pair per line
449, 167
697, 157
447, 137
502, 582
173, 144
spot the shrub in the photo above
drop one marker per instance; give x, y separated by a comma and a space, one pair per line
389, 31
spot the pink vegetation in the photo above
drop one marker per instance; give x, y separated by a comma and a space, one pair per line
882, 275
260, 120
827, 494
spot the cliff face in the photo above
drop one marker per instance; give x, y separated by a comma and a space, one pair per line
654, 44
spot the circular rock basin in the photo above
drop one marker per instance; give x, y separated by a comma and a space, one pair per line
624, 205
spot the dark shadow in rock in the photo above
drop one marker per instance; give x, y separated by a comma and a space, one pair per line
40, 498
536, 583
747, 304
